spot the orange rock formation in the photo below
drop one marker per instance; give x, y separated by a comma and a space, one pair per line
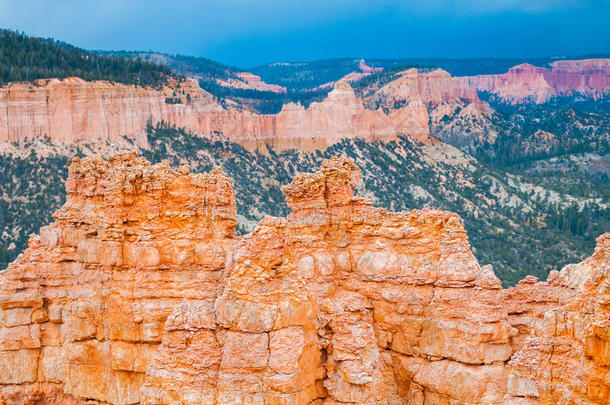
525, 82
141, 293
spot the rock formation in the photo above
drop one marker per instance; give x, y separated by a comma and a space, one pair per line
72, 110
528, 83
431, 88
254, 82
141, 293
85, 306
434, 102
341, 115
363, 71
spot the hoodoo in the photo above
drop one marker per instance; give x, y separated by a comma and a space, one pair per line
140, 292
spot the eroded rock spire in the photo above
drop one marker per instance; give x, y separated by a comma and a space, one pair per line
140, 292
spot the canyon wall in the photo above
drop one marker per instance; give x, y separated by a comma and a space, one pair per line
437, 102
72, 110
431, 88
141, 293
528, 83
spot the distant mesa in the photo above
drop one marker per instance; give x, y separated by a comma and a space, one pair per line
73, 110
528, 83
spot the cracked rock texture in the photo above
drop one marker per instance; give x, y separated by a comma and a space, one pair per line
140, 292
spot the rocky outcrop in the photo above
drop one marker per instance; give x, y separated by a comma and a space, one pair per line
341, 115
565, 358
431, 88
363, 71
141, 293
436, 103
254, 82
528, 83
72, 110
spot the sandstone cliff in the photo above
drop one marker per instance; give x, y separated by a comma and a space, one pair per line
141, 293
432, 88
528, 83
434, 102
73, 110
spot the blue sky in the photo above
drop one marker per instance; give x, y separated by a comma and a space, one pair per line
248, 33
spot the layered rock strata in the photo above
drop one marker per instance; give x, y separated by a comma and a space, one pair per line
434, 102
84, 308
431, 88
528, 83
141, 293
72, 110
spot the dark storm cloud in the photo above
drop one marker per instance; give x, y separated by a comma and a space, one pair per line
248, 32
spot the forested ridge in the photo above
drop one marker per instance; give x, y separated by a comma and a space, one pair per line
24, 58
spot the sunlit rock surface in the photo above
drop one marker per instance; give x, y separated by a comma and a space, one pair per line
140, 292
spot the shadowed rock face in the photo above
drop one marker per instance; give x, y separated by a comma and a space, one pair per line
141, 293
